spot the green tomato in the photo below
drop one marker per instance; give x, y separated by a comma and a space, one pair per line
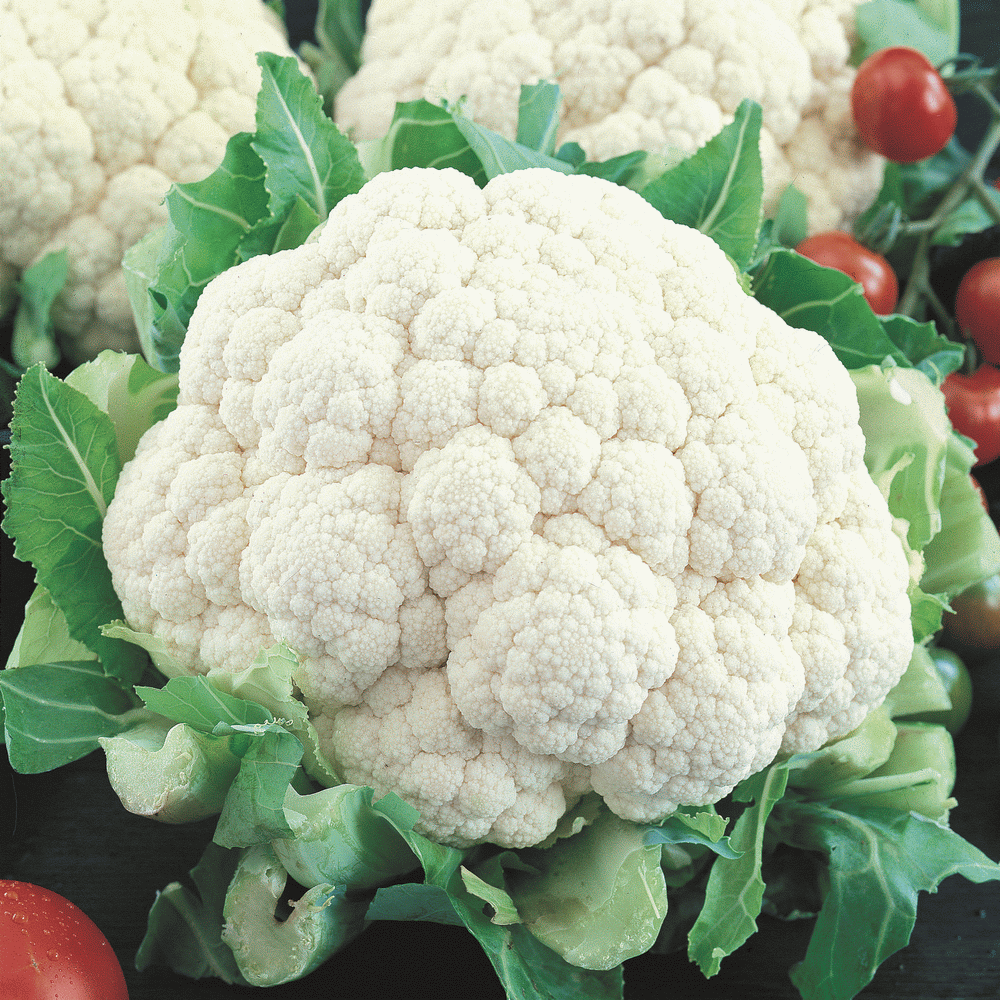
955, 677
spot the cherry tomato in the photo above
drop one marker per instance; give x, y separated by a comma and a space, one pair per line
973, 403
902, 107
977, 307
871, 270
52, 950
973, 623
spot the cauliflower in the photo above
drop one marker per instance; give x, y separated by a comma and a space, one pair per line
544, 502
662, 75
103, 104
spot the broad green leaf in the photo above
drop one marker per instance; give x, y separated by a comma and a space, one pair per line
339, 836
879, 860
270, 951
64, 467
936, 356
55, 712
735, 887
199, 704
597, 898
253, 812
184, 930
928, 25
504, 909
140, 268
790, 218
500, 155
44, 635
208, 221
966, 549
527, 968
169, 772
339, 31
719, 189
414, 901
34, 340
705, 828
907, 433
828, 302
305, 155
618, 170
268, 681
421, 135
538, 117
134, 395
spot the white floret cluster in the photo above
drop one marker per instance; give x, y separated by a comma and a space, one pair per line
543, 501
661, 75
104, 104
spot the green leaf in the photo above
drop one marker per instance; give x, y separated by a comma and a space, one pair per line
339, 836
500, 155
306, 156
134, 395
339, 29
254, 808
184, 930
44, 635
791, 224
618, 170
735, 887
527, 968
65, 464
140, 268
55, 712
170, 773
705, 828
879, 860
270, 951
719, 190
928, 25
208, 221
966, 549
199, 704
924, 348
538, 117
421, 135
827, 301
596, 898
34, 340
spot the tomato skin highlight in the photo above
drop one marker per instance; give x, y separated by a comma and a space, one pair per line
977, 307
871, 270
52, 950
902, 107
973, 403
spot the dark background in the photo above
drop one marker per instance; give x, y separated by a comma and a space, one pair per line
66, 830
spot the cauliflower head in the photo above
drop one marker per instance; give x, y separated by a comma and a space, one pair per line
104, 104
542, 499
662, 75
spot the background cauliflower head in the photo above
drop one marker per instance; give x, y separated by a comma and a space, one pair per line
660, 75
541, 498
103, 104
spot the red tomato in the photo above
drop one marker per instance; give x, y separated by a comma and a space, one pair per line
871, 270
973, 403
52, 950
977, 307
973, 623
902, 108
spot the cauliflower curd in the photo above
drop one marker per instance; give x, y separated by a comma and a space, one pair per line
103, 104
543, 501
662, 75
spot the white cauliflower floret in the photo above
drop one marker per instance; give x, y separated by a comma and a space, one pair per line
662, 75
560, 509
103, 105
